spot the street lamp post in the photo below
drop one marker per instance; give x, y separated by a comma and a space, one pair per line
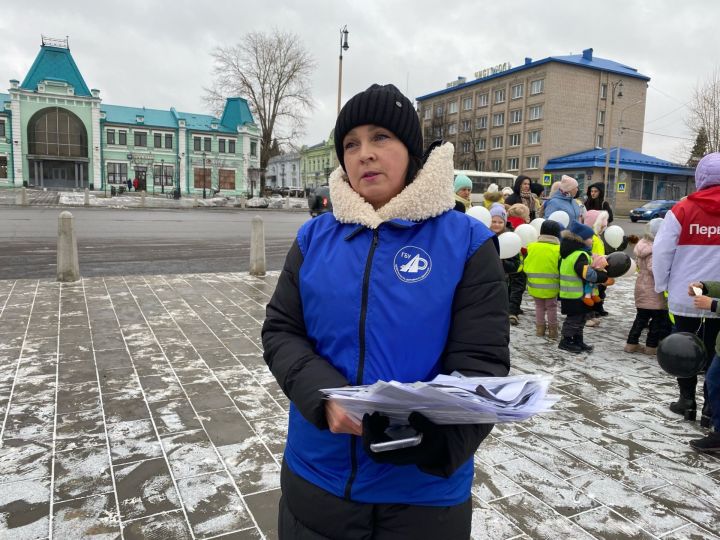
204, 174
343, 47
616, 86
611, 195
162, 176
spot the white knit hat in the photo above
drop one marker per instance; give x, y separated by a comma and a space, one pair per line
492, 188
567, 184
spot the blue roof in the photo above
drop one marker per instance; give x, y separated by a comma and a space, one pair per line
55, 64
118, 114
629, 161
586, 60
236, 113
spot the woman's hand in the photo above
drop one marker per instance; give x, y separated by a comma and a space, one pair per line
697, 284
703, 302
339, 421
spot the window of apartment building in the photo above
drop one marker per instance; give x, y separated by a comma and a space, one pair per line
163, 175
497, 165
466, 125
533, 137
481, 144
452, 129
427, 113
157, 140
497, 142
207, 144
516, 116
467, 104
437, 132
481, 165
439, 111
513, 164
466, 146
535, 112
197, 144
168, 141
603, 91
482, 100
2, 128
110, 136
3, 167
122, 138
481, 123
226, 178
601, 118
231, 147
532, 162
500, 95
117, 173
452, 107
221, 146
600, 141
537, 87
141, 138
499, 119
514, 139
253, 148
516, 91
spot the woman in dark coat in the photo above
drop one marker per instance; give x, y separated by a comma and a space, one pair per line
523, 195
595, 199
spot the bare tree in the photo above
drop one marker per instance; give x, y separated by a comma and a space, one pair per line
272, 71
705, 111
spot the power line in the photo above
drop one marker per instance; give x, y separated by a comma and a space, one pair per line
659, 134
665, 94
668, 114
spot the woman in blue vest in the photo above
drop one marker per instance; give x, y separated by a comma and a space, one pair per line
392, 285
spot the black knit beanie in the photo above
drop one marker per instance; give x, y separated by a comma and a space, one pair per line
551, 228
383, 106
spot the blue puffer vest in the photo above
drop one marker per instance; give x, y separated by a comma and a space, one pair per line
377, 305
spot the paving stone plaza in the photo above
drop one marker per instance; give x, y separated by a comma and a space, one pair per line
141, 407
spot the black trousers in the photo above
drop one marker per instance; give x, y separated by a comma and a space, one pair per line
656, 320
517, 281
308, 512
574, 325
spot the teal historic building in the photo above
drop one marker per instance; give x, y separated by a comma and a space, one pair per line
55, 132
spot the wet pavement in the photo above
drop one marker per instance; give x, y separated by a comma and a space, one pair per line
141, 407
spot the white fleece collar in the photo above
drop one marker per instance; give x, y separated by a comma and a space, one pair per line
429, 195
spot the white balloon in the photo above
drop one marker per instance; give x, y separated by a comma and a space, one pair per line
527, 234
481, 213
614, 236
537, 223
510, 245
631, 271
561, 217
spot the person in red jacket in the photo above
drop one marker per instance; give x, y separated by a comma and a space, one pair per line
136, 183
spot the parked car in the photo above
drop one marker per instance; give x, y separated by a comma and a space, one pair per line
319, 201
651, 210
257, 202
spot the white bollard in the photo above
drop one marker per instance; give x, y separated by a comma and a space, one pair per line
86, 201
142, 198
68, 268
23, 197
257, 247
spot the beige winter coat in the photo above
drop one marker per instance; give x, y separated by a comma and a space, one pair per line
645, 295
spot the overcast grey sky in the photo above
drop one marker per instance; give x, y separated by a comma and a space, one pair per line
156, 53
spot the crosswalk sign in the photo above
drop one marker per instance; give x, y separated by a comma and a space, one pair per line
547, 179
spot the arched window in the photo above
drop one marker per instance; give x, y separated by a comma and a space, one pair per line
57, 132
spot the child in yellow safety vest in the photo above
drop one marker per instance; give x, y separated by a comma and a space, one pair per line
598, 220
576, 270
542, 264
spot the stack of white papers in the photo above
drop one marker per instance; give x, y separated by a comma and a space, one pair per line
449, 399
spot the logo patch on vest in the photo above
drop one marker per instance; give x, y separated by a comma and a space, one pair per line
412, 264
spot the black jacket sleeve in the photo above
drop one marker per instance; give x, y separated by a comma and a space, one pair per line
289, 354
477, 346
606, 207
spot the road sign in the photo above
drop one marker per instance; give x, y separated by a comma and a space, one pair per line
621, 187
547, 179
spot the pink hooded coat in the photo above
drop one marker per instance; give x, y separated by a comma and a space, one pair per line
645, 295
